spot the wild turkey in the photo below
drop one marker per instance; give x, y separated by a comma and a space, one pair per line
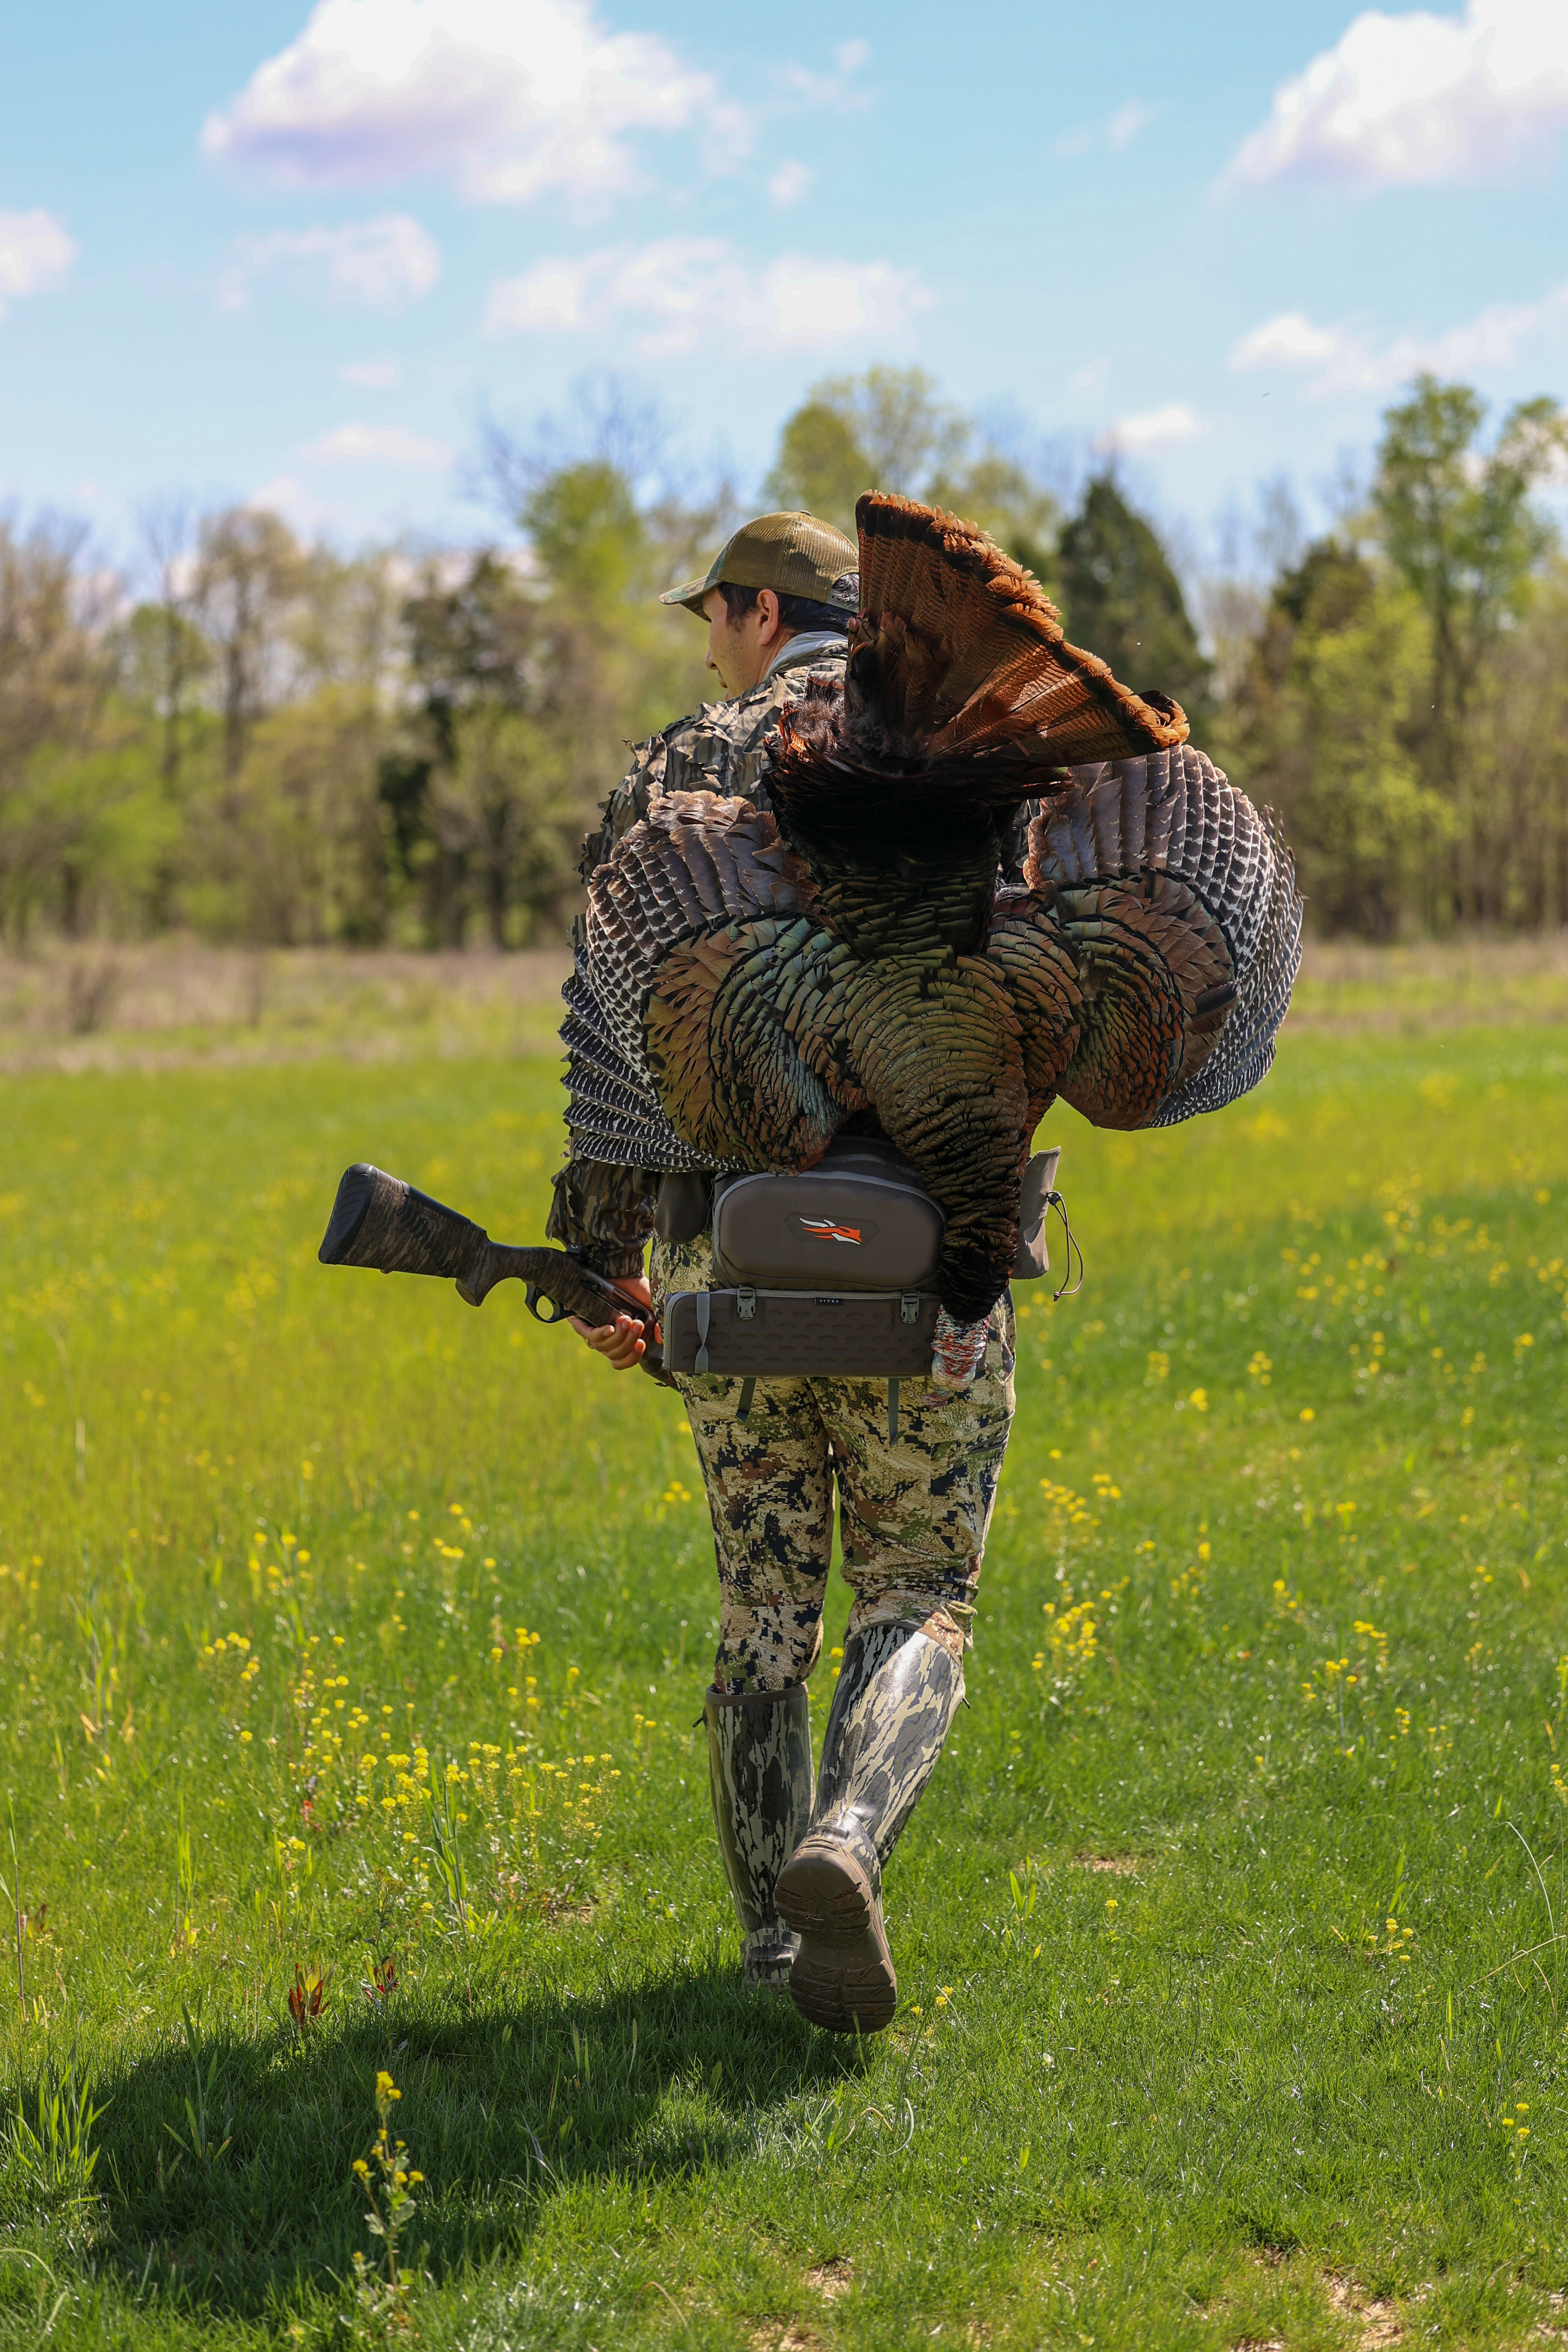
748, 982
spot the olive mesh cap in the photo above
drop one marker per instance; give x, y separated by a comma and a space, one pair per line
793, 554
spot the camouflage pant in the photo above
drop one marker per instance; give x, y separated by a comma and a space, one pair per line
912, 1515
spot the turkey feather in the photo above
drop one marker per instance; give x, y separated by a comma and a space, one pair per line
747, 979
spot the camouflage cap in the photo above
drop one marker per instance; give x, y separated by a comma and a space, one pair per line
793, 554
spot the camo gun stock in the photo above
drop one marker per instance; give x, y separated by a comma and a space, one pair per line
380, 1221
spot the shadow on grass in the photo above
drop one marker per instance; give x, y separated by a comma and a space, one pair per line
504, 2104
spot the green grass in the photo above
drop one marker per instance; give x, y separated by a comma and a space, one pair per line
1185, 2085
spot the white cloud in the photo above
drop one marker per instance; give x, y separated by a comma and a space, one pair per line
503, 97
1412, 100
370, 375
691, 290
1090, 379
836, 88
1127, 122
1153, 428
35, 252
1118, 131
375, 444
1347, 359
790, 182
383, 263
287, 496
1288, 341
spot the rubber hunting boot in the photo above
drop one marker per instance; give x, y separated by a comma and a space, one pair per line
759, 1767
897, 1692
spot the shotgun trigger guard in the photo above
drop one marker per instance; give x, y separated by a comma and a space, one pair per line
532, 1295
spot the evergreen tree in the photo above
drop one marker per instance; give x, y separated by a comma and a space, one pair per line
1124, 602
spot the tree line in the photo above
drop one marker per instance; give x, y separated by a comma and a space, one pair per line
251, 738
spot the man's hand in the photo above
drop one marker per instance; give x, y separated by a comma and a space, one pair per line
620, 1343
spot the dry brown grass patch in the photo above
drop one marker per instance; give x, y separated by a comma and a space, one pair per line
831, 2279
1348, 985
1379, 2321
164, 1003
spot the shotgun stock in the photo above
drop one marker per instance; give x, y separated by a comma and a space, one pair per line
378, 1220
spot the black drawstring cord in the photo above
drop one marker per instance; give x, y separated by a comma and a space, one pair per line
1069, 1290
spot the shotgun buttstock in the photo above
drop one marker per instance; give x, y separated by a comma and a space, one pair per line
380, 1221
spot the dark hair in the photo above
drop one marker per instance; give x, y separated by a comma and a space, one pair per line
794, 612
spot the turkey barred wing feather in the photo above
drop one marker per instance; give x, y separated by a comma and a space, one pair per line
613, 1113
1172, 811
1231, 938
1245, 1049
693, 861
693, 865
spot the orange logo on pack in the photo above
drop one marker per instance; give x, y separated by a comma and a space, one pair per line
823, 1229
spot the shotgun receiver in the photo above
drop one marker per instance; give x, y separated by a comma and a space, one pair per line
380, 1221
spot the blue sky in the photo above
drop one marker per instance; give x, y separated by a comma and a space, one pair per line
271, 251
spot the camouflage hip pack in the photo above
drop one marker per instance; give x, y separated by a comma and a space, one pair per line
830, 1274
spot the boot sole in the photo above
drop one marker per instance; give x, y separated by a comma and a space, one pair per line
843, 1978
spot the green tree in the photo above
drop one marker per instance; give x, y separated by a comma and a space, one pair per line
1319, 725
459, 787
533, 675
820, 467
1513, 801
248, 577
887, 430
1123, 602
1000, 494
55, 682
884, 430
1458, 527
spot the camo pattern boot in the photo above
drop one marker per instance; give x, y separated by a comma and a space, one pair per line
897, 1694
759, 1767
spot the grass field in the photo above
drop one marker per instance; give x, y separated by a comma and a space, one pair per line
354, 1645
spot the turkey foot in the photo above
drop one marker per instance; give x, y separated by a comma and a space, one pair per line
843, 1978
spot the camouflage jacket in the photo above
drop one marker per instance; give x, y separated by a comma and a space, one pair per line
606, 1212
725, 749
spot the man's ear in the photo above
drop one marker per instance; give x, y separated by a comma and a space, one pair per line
769, 616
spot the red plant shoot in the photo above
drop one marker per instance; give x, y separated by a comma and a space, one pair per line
308, 1996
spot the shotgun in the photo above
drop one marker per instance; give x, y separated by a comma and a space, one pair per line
380, 1221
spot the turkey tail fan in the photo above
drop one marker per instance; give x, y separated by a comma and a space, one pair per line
1172, 815
958, 652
